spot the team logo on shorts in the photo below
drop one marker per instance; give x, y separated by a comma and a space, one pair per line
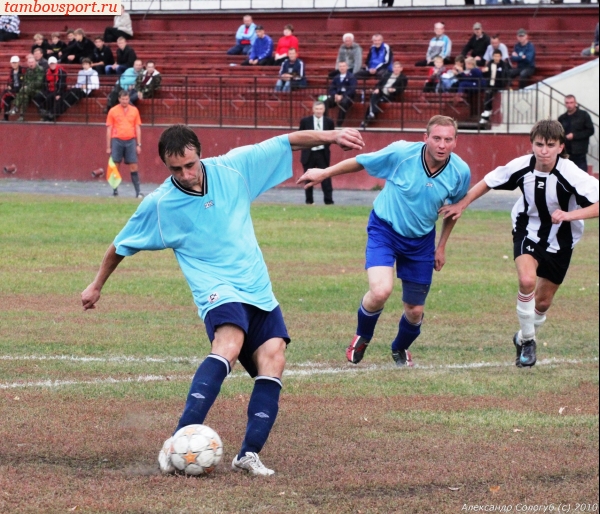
213, 297
209, 204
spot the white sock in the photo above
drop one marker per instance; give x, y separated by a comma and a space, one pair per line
526, 315
539, 320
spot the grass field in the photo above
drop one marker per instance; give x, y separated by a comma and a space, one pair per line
86, 399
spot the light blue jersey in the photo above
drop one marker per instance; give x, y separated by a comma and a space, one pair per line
412, 194
211, 233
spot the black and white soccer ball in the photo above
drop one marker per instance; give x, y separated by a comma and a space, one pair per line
193, 450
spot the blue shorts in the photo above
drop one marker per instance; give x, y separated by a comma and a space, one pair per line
414, 257
258, 325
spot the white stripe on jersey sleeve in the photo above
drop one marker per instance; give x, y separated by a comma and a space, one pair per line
502, 174
584, 184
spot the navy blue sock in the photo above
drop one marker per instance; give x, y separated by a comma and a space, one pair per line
366, 322
204, 390
262, 411
407, 333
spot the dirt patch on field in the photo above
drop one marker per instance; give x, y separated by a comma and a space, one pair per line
332, 455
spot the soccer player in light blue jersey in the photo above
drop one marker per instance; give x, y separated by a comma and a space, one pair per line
202, 213
420, 179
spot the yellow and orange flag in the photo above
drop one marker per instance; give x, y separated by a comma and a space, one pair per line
113, 176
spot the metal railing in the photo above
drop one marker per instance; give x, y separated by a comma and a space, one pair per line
251, 5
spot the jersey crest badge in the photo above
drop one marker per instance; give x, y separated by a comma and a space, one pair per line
209, 204
213, 297
429, 184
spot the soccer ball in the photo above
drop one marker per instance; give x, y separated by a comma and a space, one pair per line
193, 450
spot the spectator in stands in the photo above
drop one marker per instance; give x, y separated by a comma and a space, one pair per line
38, 55
261, 53
477, 45
578, 130
122, 27
494, 45
83, 48
101, 57
433, 84
33, 83
524, 57
291, 73
40, 42
287, 41
53, 94
9, 28
13, 84
379, 59
317, 156
471, 79
125, 58
124, 137
389, 89
126, 81
350, 52
87, 82
56, 45
146, 83
593, 49
440, 44
497, 76
449, 79
341, 92
244, 37
69, 47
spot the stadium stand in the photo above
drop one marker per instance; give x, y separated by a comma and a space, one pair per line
202, 85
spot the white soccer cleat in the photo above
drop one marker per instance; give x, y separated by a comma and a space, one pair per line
164, 458
251, 464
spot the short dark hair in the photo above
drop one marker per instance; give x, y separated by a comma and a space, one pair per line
99, 38
497, 52
123, 93
290, 27
175, 140
86, 60
549, 130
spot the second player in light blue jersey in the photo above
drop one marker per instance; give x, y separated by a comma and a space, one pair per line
202, 213
420, 179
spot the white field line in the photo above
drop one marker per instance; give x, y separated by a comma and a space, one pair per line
316, 369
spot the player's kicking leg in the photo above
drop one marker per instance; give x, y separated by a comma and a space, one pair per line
524, 339
381, 285
269, 361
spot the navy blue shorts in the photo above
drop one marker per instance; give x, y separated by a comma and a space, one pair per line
258, 325
414, 258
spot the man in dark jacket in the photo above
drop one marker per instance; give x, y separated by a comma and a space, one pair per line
102, 56
56, 86
13, 84
82, 48
523, 57
389, 88
341, 92
578, 130
125, 58
317, 156
477, 45
379, 59
291, 73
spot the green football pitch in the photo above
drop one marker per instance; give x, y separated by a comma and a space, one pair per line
87, 398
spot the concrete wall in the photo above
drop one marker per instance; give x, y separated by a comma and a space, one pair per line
71, 152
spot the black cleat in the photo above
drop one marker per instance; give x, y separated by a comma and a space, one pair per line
402, 358
528, 357
356, 351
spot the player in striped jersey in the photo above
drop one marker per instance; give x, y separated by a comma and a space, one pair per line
547, 223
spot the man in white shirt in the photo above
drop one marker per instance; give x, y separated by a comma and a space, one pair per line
495, 44
317, 156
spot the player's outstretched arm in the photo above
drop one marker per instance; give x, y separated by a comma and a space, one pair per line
591, 211
455, 210
91, 295
347, 139
316, 176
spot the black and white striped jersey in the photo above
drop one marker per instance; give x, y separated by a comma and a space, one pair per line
566, 188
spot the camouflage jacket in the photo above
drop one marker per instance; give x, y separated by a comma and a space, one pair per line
148, 85
34, 79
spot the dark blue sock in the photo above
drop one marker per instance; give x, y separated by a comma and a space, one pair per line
262, 411
204, 390
366, 322
407, 333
